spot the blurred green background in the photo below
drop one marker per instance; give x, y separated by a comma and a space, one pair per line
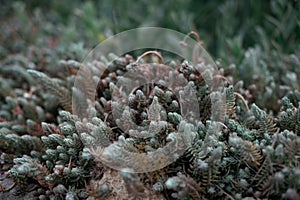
226, 27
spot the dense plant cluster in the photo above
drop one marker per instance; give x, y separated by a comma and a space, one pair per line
251, 151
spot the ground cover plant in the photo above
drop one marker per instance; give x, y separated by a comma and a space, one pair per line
255, 154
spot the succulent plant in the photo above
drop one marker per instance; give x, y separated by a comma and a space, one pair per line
242, 141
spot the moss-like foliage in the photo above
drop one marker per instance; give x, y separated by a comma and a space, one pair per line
243, 141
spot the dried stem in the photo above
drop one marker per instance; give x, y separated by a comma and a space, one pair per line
223, 125
194, 34
151, 52
242, 98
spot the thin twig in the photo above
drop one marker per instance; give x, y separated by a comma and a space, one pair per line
243, 99
223, 125
194, 34
151, 52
